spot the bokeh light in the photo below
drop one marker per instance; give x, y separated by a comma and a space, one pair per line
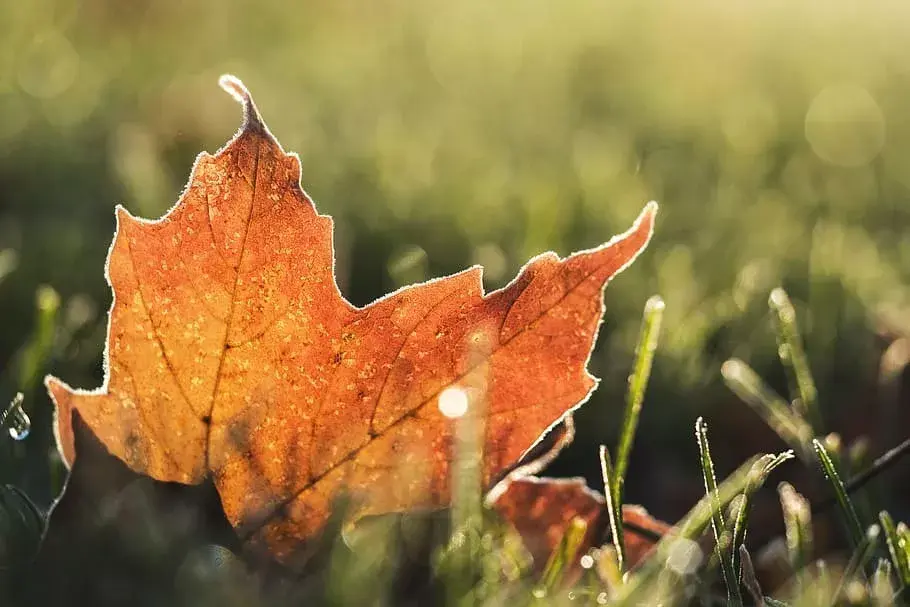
453, 402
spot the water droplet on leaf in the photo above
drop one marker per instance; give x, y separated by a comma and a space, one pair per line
16, 419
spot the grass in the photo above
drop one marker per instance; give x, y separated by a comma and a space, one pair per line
477, 559
851, 520
440, 134
614, 477
722, 540
898, 548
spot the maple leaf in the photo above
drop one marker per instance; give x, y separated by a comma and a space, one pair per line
231, 353
541, 509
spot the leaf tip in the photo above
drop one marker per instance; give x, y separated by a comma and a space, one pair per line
60, 394
121, 214
56, 388
236, 89
646, 219
124, 220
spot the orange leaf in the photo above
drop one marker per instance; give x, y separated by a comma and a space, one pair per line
232, 353
541, 509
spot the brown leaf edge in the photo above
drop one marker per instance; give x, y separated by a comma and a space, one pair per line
540, 509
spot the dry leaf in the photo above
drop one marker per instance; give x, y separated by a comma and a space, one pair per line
541, 509
232, 353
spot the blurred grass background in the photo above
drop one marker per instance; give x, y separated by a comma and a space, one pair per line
441, 134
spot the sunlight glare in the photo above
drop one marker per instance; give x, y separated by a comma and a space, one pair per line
453, 402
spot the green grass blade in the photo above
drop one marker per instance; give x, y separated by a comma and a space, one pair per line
607, 569
39, 347
466, 495
821, 589
614, 506
788, 424
793, 355
860, 558
750, 580
638, 383
764, 467
903, 540
797, 526
882, 590
614, 476
854, 528
561, 558
638, 588
898, 557
722, 548
863, 555
360, 558
467, 503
